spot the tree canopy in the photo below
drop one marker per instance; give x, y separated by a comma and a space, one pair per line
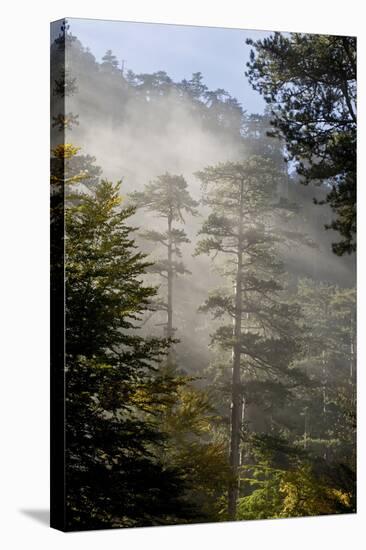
309, 82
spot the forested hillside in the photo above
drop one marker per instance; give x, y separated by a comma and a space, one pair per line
210, 319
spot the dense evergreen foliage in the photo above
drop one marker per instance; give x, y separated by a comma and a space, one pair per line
310, 83
113, 444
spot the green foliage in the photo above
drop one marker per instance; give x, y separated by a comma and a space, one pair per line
285, 482
198, 450
308, 468
114, 473
167, 196
329, 320
68, 167
291, 493
309, 81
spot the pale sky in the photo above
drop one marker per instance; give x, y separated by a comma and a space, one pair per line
219, 54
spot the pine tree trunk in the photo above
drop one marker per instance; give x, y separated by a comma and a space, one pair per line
170, 286
236, 395
352, 373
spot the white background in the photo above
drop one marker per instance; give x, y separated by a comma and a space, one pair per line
24, 304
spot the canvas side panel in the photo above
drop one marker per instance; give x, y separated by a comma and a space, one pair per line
57, 100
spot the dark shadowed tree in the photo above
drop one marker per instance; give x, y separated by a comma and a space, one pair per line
114, 473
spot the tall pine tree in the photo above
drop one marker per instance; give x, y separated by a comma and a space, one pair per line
168, 198
243, 203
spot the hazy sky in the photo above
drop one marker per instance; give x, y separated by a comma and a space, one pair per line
219, 54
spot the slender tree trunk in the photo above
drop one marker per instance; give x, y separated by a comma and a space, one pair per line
170, 287
236, 395
324, 382
352, 373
